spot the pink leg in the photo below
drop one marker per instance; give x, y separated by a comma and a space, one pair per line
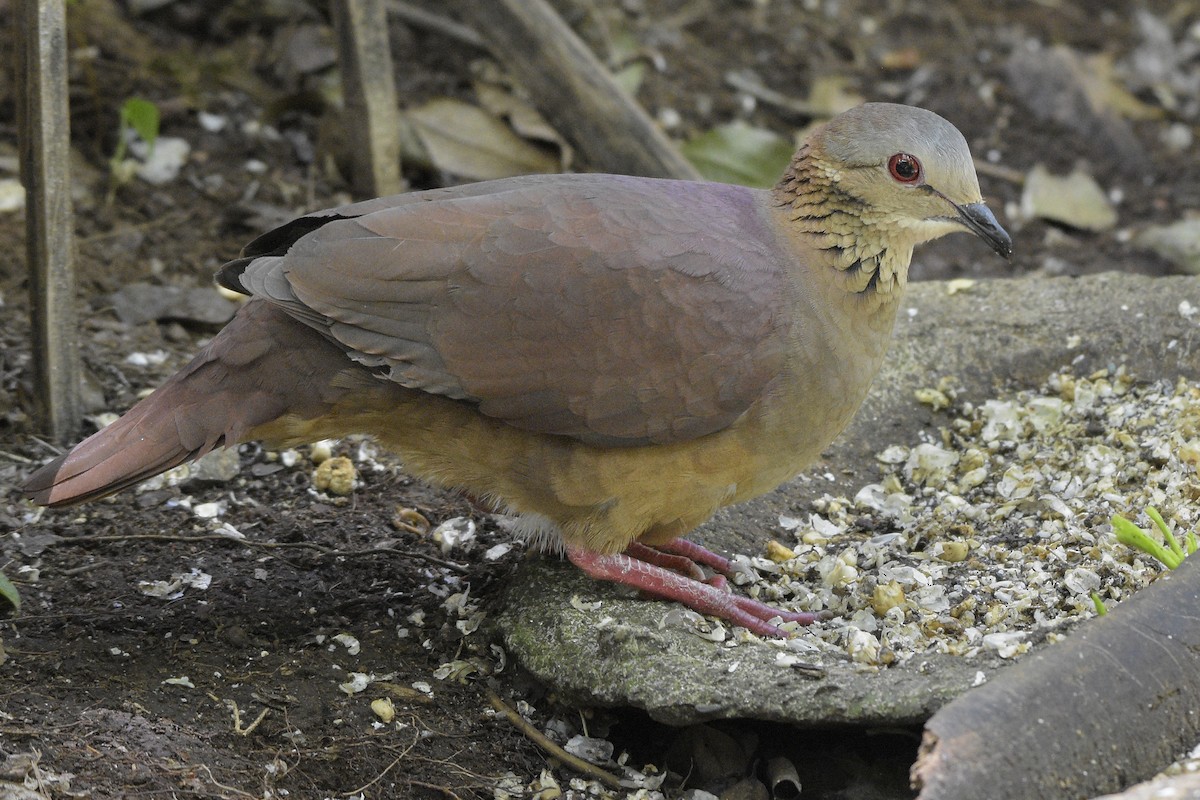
666, 559
694, 552
661, 582
681, 560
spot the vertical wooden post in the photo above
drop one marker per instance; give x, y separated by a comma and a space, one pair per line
371, 116
43, 128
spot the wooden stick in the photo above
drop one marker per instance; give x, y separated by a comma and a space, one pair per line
371, 116
420, 18
43, 128
550, 746
573, 90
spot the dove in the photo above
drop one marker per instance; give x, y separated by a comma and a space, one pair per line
611, 359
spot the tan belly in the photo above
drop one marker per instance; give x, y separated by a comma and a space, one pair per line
602, 498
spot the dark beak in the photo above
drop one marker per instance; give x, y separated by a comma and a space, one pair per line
980, 220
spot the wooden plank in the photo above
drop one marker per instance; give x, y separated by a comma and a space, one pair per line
43, 131
573, 90
371, 117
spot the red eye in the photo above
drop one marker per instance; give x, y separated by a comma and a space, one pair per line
905, 168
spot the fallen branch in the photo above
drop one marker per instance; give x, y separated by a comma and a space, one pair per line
573, 89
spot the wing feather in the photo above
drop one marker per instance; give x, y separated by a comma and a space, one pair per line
614, 310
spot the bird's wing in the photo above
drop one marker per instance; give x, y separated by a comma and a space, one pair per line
617, 311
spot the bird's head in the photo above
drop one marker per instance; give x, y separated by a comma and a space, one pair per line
909, 173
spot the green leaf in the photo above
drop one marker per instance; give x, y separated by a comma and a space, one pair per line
9, 592
740, 153
630, 78
1101, 609
1172, 542
1131, 535
143, 117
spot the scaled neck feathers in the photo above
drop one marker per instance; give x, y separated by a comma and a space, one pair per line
871, 258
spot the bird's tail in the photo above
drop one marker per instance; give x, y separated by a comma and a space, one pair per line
262, 366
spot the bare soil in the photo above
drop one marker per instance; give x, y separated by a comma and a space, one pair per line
87, 661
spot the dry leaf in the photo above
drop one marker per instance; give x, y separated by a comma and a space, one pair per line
525, 120
1075, 200
469, 142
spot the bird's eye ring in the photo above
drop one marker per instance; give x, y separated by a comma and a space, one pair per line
905, 168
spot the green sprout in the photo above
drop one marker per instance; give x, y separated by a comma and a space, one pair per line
9, 592
1132, 536
141, 117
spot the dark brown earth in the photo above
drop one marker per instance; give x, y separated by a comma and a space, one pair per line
82, 689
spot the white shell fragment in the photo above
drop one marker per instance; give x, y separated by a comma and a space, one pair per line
592, 750
349, 642
173, 589
162, 163
454, 534
996, 525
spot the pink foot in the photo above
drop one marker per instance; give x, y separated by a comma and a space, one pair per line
662, 558
701, 555
651, 577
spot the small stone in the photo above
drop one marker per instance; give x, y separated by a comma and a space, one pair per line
12, 195
219, 466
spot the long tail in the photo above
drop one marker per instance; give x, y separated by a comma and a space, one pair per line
261, 366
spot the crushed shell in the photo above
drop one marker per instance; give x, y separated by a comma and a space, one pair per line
993, 531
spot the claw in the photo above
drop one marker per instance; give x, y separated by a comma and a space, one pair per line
670, 571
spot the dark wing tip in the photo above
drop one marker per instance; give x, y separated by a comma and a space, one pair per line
230, 275
275, 242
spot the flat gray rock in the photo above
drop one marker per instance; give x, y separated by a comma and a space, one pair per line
138, 303
995, 337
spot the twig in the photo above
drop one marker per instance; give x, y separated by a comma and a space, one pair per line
436, 23
435, 787
53, 448
752, 87
386, 770
237, 719
71, 573
210, 537
222, 786
542, 741
997, 171
176, 219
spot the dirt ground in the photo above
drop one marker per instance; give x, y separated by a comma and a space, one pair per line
230, 688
